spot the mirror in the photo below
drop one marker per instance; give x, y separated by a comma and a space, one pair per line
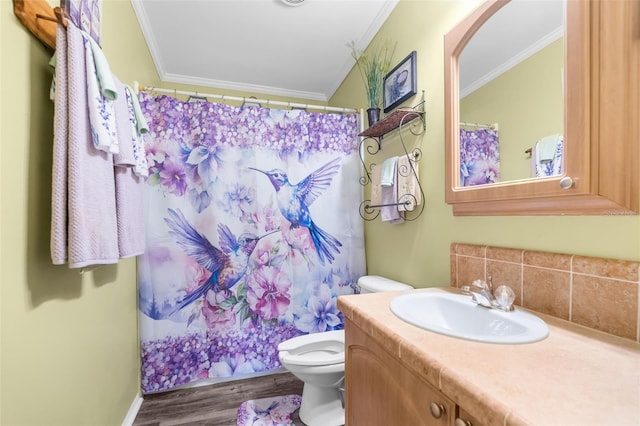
511, 99
570, 93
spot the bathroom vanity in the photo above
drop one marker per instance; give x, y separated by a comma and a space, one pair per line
399, 374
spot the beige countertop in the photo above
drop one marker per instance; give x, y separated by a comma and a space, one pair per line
576, 376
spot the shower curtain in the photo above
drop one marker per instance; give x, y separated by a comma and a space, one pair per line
479, 157
253, 232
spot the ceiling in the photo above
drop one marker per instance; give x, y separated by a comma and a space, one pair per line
259, 46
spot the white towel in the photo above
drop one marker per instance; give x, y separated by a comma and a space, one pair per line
101, 110
407, 184
138, 127
58, 240
141, 122
388, 171
92, 227
125, 130
547, 156
389, 212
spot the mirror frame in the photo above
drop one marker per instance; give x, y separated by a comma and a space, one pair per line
584, 115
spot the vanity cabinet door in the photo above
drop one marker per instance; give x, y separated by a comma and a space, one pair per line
463, 418
380, 391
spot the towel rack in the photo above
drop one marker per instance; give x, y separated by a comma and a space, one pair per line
398, 119
40, 19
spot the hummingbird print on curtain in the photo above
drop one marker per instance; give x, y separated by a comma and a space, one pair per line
294, 201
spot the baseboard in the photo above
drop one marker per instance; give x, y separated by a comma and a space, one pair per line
133, 411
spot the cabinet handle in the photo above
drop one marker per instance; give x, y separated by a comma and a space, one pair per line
437, 410
566, 183
462, 422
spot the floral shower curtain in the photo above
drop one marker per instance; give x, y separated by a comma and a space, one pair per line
253, 232
479, 157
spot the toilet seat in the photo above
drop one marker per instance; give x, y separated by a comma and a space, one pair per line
313, 349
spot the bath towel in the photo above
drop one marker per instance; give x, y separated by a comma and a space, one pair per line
125, 129
58, 238
389, 211
101, 109
388, 171
130, 212
407, 184
92, 228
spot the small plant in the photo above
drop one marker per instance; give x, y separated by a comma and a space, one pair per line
373, 66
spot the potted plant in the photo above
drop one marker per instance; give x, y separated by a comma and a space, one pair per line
373, 66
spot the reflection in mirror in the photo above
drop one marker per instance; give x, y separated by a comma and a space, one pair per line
511, 104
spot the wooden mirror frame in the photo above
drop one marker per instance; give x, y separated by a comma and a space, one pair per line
602, 128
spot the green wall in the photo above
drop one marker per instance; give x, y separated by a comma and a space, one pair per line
69, 346
418, 252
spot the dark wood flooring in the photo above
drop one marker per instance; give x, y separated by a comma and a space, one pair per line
213, 405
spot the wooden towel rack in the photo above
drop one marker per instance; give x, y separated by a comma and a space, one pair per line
40, 18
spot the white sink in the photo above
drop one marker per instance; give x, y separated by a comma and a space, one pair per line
457, 316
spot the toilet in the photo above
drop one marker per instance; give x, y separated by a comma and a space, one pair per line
318, 360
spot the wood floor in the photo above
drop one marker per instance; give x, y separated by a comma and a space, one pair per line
213, 405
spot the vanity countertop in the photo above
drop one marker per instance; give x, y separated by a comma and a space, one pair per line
576, 376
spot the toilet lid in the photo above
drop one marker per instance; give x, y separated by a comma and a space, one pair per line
376, 284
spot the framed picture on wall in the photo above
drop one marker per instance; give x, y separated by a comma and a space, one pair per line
400, 83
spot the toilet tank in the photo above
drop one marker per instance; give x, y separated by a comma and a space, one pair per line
378, 284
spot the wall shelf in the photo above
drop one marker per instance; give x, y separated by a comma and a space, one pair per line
411, 203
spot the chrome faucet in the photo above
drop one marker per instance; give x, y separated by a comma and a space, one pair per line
482, 294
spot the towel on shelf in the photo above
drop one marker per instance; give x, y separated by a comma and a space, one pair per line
101, 109
407, 184
58, 237
388, 175
92, 228
130, 212
390, 213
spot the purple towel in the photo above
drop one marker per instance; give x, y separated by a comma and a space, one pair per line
130, 212
92, 227
58, 242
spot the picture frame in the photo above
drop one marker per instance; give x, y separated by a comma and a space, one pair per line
400, 83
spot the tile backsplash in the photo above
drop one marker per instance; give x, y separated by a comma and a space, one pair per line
595, 292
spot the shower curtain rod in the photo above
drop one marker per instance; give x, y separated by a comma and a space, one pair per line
493, 126
245, 99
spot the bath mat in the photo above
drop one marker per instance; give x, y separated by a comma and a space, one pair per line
272, 411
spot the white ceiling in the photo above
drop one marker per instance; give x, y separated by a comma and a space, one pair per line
259, 46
